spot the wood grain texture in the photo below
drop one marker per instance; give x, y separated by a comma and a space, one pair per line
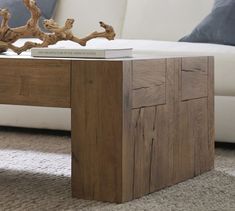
211, 119
144, 135
146, 97
35, 82
149, 73
194, 78
149, 83
183, 146
179, 150
163, 148
184, 167
195, 64
194, 85
97, 130
198, 126
127, 141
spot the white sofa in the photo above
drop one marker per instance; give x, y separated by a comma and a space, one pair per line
154, 25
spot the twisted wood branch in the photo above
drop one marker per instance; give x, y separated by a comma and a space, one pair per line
56, 33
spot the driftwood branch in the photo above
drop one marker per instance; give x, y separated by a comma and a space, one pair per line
56, 33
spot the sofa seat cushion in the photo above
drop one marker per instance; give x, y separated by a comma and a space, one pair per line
224, 56
35, 117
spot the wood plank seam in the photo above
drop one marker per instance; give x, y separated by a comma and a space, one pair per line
152, 144
134, 165
147, 87
197, 98
165, 82
194, 71
148, 83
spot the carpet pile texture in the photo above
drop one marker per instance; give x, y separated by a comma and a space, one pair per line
35, 175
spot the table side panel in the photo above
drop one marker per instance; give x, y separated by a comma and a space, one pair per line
35, 82
174, 141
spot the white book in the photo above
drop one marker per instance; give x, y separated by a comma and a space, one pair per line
82, 52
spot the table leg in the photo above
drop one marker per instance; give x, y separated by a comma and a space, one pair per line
98, 130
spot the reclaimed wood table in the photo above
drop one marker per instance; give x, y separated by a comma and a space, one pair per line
138, 125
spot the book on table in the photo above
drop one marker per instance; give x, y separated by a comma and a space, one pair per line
82, 52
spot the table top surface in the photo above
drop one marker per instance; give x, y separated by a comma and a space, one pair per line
136, 56
145, 52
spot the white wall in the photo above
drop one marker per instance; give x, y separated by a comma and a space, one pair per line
163, 19
88, 13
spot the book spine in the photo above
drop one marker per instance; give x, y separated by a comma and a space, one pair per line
66, 53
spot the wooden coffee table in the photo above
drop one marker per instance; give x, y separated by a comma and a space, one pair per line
138, 125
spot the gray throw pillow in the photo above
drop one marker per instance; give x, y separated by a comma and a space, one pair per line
20, 14
218, 27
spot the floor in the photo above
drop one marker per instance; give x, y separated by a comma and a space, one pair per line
35, 175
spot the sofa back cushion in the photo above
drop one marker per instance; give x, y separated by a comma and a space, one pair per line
163, 19
88, 13
20, 14
218, 27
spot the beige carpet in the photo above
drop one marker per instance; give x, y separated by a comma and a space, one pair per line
35, 175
